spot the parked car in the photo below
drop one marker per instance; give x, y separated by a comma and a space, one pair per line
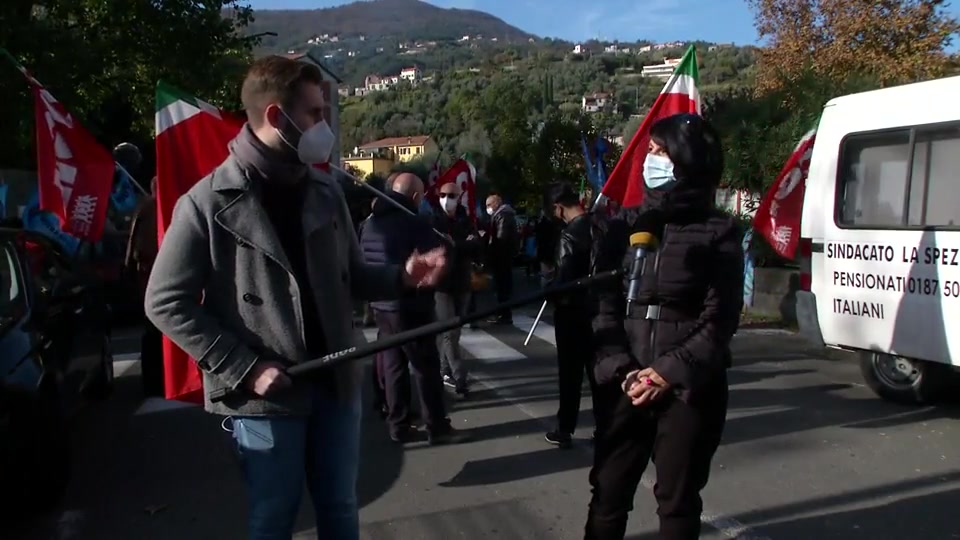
55, 355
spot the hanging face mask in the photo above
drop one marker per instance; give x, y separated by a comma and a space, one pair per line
489, 211
449, 202
658, 173
315, 144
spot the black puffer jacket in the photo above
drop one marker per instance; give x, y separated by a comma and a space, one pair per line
390, 236
696, 279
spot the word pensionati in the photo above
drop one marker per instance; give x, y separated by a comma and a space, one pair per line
885, 253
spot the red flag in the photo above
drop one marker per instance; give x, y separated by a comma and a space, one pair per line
679, 95
74, 172
192, 138
464, 174
778, 216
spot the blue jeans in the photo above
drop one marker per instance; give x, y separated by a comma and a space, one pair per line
278, 454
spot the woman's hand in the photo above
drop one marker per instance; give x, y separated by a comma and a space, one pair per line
644, 386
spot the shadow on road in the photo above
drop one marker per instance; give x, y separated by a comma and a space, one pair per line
923, 507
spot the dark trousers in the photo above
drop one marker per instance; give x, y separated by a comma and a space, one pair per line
680, 437
395, 369
574, 357
151, 360
503, 284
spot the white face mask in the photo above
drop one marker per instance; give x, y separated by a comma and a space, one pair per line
658, 173
489, 211
449, 202
315, 143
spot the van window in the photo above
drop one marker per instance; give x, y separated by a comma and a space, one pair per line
936, 170
874, 181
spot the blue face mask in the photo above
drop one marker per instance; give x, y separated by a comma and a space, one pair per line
658, 173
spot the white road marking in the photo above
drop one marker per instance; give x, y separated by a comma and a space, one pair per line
483, 347
544, 331
155, 404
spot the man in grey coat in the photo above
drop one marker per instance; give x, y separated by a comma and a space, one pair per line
257, 272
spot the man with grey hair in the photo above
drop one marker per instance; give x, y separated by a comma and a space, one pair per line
390, 235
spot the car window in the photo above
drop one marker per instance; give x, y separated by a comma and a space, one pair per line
11, 291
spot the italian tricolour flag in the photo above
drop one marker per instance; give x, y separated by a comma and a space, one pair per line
679, 95
192, 138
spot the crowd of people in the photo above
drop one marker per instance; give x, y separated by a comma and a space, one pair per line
270, 246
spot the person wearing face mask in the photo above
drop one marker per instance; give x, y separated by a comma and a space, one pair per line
453, 291
571, 310
256, 273
392, 235
503, 246
670, 352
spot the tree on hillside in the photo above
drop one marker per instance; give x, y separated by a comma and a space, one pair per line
893, 41
102, 60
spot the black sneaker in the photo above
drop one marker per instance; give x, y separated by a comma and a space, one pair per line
447, 435
406, 434
462, 392
559, 439
449, 382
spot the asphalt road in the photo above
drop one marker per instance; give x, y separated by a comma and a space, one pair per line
808, 453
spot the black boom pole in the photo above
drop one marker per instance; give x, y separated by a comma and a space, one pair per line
438, 327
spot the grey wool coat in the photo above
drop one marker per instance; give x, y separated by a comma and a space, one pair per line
223, 290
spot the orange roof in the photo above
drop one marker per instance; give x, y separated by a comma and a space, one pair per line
415, 140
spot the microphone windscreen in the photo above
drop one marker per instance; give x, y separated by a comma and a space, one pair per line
644, 239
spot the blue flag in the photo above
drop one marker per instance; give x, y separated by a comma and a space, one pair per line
124, 196
747, 269
47, 224
3, 201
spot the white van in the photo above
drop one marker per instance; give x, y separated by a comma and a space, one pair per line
880, 236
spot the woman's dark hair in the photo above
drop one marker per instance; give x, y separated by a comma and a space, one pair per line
693, 146
561, 193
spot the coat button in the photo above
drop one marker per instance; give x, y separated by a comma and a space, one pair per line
247, 297
240, 242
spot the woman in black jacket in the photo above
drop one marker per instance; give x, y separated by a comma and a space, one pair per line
670, 354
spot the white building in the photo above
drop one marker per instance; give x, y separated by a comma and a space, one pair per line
411, 74
661, 71
596, 102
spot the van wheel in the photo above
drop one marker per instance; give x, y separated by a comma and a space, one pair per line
904, 380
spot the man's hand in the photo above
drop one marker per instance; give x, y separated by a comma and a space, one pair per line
425, 269
644, 386
267, 377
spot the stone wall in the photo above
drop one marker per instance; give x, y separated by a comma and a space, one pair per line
775, 293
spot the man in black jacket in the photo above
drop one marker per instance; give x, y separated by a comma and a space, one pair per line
571, 313
393, 235
504, 244
453, 291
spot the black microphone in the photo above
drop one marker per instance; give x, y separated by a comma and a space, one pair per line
642, 242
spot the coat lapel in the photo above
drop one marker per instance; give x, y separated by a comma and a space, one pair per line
244, 216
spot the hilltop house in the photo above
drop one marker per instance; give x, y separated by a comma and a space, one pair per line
596, 102
379, 156
661, 71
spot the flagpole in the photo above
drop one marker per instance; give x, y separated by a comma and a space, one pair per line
383, 197
6, 54
132, 179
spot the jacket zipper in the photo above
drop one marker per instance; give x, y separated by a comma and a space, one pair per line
656, 288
